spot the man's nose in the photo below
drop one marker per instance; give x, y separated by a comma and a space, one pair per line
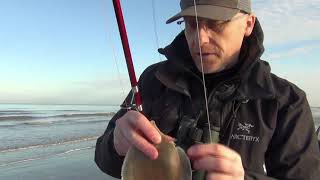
203, 35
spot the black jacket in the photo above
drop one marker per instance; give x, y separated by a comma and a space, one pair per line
266, 119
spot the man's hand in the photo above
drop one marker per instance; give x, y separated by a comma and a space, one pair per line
219, 161
134, 129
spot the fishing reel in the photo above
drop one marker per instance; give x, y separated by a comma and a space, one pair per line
190, 133
132, 105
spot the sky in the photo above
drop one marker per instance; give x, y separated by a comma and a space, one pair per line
69, 51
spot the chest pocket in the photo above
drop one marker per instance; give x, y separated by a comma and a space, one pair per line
165, 110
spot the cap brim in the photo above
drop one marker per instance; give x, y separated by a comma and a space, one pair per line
206, 11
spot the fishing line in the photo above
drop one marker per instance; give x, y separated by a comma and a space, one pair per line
118, 71
155, 27
117, 66
203, 80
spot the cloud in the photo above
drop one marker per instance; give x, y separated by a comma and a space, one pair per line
288, 20
104, 81
291, 52
102, 89
306, 81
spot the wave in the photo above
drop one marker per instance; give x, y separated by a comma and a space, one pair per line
18, 118
76, 115
14, 111
38, 123
46, 156
69, 122
50, 144
48, 123
85, 115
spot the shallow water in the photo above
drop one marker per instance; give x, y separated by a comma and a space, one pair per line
23, 126
316, 116
50, 141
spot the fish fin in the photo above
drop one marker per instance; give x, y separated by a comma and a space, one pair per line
125, 166
186, 170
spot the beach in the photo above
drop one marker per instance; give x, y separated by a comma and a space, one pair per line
49, 142
77, 165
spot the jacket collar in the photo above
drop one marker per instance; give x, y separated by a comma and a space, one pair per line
254, 74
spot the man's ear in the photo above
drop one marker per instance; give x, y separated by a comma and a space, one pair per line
251, 20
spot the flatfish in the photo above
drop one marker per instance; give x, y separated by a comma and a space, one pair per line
172, 163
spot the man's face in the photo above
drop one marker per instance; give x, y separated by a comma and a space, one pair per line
220, 41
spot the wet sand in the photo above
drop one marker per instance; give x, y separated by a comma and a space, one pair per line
77, 165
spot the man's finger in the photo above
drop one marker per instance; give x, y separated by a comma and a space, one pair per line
120, 142
218, 150
215, 175
139, 141
141, 123
219, 165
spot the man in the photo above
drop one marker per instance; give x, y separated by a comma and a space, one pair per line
262, 124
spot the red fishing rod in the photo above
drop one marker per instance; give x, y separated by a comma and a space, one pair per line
127, 53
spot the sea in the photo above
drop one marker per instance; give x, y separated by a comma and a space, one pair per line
47, 134
316, 116
30, 134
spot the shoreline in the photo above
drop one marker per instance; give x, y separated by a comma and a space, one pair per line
77, 164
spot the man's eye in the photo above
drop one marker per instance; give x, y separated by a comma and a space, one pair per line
193, 25
215, 23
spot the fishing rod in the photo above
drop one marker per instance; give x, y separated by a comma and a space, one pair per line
126, 49
128, 57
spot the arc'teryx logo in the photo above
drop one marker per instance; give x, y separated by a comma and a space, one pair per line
246, 127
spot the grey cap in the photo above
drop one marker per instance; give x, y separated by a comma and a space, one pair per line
212, 9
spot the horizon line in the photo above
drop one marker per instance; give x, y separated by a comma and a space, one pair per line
84, 104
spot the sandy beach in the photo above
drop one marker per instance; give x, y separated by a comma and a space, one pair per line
76, 165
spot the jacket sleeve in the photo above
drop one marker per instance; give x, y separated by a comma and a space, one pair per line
293, 152
252, 175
